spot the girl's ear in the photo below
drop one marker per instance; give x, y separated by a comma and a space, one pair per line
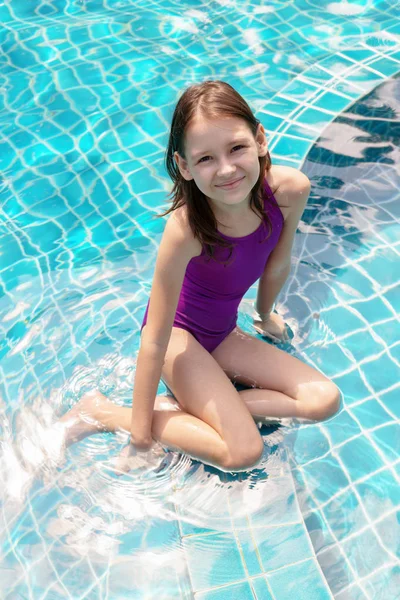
182, 166
261, 141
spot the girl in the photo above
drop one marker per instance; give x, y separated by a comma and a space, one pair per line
226, 229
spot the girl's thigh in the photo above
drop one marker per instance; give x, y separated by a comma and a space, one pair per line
203, 389
252, 362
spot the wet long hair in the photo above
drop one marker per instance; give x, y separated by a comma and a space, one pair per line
210, 99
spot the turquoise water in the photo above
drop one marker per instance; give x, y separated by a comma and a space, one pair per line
87, 94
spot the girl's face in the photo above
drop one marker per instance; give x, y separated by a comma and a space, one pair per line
219, 152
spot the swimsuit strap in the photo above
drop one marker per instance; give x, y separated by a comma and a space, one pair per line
270, 193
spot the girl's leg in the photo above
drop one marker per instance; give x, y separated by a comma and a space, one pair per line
283, 385
213, 424
172, 427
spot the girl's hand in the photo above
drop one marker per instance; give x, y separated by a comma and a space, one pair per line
133, 458
273, 327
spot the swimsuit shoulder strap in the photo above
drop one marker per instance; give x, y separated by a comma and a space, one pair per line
269, 194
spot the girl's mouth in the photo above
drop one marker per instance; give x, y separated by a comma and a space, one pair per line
231, 186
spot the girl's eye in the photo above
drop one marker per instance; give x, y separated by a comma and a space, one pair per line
206, 157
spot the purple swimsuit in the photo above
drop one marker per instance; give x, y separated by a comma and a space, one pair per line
212, 291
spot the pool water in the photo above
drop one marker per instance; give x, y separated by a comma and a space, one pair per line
87, 94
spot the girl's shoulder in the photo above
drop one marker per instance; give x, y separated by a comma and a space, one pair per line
178, 231
289, 185
281, 178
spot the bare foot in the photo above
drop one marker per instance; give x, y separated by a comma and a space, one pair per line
81, 420
94, 413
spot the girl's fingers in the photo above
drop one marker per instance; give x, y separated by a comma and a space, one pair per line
138, 461
266, 334
122, 463
261, 331
282, 336
121, 469
271, 337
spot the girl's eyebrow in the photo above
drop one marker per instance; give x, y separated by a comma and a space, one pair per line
236, 141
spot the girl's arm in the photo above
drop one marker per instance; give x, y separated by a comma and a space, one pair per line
176, 249
292, 195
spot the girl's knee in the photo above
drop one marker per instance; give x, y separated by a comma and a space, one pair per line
326, 403
243, 456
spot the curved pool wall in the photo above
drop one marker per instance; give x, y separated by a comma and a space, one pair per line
87, 94
345, 298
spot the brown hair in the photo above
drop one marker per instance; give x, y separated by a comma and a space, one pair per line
211, 99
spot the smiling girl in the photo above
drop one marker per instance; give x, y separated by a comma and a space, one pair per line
232, 222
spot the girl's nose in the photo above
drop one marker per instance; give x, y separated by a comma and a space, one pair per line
225, 168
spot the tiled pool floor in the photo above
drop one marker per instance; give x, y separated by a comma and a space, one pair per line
88, 90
